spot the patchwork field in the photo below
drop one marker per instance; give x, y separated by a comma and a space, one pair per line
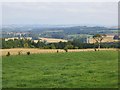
67, 70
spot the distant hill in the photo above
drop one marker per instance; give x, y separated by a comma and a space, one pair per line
66, 29
75, 30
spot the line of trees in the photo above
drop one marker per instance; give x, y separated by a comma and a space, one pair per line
75, 44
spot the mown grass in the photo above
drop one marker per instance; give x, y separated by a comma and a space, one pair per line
61, 70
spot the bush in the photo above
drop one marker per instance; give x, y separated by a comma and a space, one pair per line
28, 53
75, 47
19, 53
57, 51
95, 49
8, 54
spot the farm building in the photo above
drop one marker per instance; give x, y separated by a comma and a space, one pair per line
35, 41
13, 38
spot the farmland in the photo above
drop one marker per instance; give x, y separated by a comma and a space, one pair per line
67, 70
15, 51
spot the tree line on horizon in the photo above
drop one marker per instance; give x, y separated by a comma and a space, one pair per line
75, 44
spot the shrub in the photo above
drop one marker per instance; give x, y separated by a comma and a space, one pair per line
57, 51
19, 53
95, 49
75, 47
8, 54
28, 53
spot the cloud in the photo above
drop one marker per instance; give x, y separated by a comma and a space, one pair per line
60, 12
73, 10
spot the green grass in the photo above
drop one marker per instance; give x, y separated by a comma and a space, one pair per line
67, 70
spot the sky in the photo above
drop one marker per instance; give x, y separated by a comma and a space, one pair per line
60, 13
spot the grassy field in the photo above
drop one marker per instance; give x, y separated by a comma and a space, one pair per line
67, 70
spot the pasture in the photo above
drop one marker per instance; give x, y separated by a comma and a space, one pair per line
61, 70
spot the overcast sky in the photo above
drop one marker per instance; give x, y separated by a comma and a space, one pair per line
82, 13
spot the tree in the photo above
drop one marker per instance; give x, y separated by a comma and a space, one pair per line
98, 38
40, 44
66, 49
61, 45
26, 45
69, 46
52, 46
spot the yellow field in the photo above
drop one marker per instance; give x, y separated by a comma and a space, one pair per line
15, 51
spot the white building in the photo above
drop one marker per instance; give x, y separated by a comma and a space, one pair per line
13, 38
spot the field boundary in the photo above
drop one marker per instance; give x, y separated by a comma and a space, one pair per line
16, 51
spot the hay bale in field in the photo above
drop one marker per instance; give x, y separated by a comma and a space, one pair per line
19, 53
28, 53
8, 54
